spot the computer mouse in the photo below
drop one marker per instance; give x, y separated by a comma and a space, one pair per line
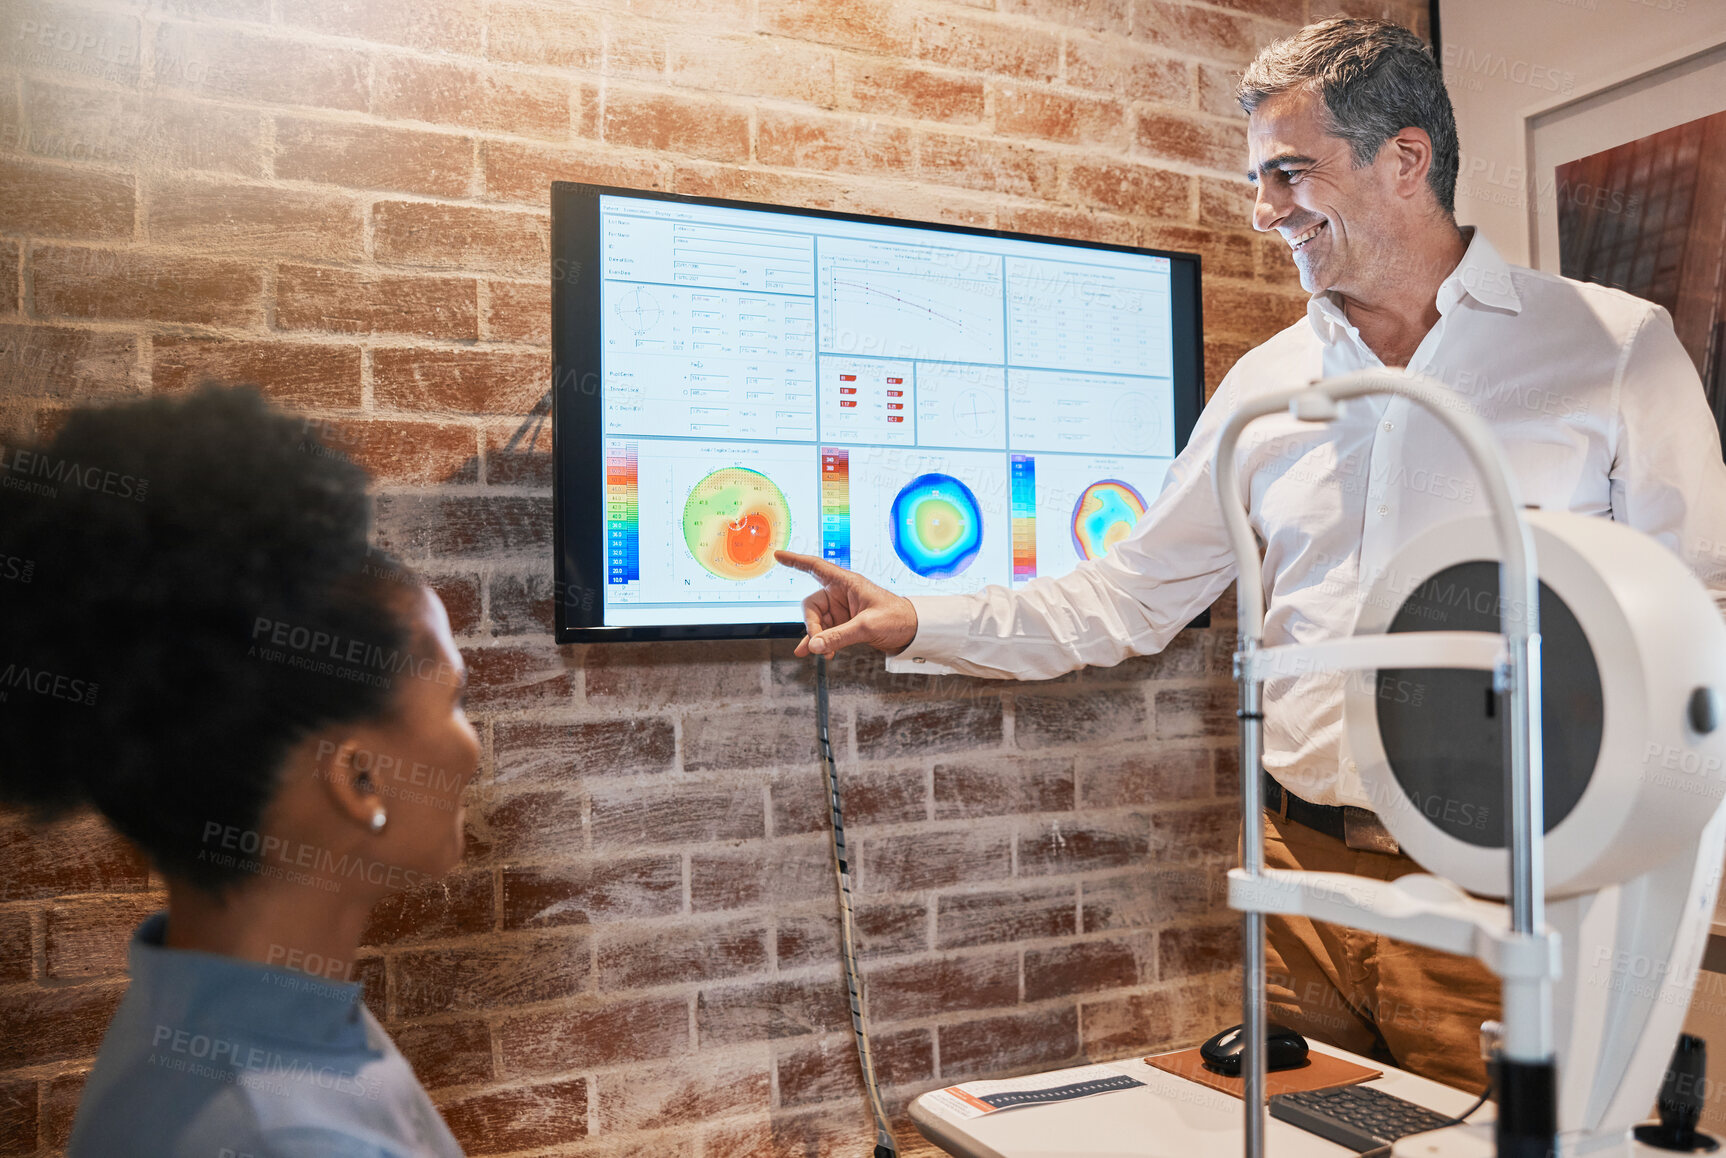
1285, 1049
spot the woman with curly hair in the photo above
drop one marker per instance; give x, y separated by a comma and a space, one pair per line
210, 654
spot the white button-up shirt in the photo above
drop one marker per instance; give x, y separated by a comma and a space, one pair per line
1596, 404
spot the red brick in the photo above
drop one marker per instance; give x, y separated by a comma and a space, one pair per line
750, 738
260, 67
446, 93
1092, 717
461, 237
1222, 254
682, 1093
78, 855
455, 905
1213, 144
89, 936
870, 25
1186, 713
545, 34
594, 1036
518, 1117
348, 302
1055, 116
1130, 188
1157, 775
1206, 836
922, 729
518, 312
361, 156
1078, 224
124, 130
463, 381
831, 145
527, 604
931, 859
858, 669
517, 171
776, 873
519, 454
17, 947
1087, 967
490, 974
255, 219
873, 794
535, 825
1228, 778
11, 276
500, 678
639, 956
937, 985
989, 44
591, 892
1127, 70
1167, 1019
56, 201
1023, 914
827, 1070
461, 600
986, 163
455, 26
565, 754
77, 41
883, 929
62, 362
40, 1025
465, 526
881, 87
771, 1010
1145, 899
1032, 1040
294, 374
755, 66
625, 815
1225, 203
18, 1117
1184, 952
1294, 11
651, 675
1216, 88
1075, 846
1002, 785
422, 453
446, 1053
1181, 28
60, 1099
676, 124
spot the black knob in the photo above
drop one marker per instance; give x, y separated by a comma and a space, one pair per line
1704, 710
1681, 1100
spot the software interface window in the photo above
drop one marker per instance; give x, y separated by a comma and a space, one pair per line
938, 411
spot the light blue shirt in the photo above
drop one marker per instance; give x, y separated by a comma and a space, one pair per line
215, 1057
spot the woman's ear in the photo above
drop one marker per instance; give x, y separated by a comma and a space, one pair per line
347, 771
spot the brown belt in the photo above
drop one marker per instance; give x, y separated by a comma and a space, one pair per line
1358, 828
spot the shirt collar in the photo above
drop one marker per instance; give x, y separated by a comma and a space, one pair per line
1481, 274
198, 990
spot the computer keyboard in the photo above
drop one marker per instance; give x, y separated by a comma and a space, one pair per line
1359, 1117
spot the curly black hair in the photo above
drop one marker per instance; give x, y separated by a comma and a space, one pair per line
186, 591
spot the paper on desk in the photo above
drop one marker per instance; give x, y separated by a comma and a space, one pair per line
974, 1099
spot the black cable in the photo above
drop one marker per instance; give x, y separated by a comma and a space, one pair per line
885, 1145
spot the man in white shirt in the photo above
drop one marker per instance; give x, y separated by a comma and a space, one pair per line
1352, 145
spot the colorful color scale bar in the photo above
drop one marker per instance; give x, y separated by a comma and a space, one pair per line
1024, 503
836, 505
622, 514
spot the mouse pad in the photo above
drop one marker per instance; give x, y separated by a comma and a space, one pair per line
1318, 1072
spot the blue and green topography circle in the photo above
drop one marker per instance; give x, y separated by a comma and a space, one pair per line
1104, 515
937, 525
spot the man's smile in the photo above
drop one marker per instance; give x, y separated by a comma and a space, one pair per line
1300, 239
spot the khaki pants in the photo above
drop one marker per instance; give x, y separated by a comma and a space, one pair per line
1416, 1008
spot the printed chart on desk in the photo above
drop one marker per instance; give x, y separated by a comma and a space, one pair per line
938, 411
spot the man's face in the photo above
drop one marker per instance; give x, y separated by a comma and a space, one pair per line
1340, 221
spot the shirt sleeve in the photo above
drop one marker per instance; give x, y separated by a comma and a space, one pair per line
1668, 479
1132, 601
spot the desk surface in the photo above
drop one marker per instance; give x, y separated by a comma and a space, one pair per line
1169, 1118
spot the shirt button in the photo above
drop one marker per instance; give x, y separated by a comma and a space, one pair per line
1390, 426
1383, 510
916, 659
1351, 766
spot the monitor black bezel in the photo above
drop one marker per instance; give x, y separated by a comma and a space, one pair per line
577, 417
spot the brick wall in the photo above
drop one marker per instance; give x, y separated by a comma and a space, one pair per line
345, 200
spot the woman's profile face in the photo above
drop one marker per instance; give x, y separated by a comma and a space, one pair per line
426, 753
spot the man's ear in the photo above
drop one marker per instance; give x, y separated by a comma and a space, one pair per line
349, 777
1410, 154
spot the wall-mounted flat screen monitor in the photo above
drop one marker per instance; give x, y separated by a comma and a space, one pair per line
938, 408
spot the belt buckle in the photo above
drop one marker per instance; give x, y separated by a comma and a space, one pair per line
1364, 832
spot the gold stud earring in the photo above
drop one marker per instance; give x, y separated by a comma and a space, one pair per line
379, 820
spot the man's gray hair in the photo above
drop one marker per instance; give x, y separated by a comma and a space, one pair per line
1376, 79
